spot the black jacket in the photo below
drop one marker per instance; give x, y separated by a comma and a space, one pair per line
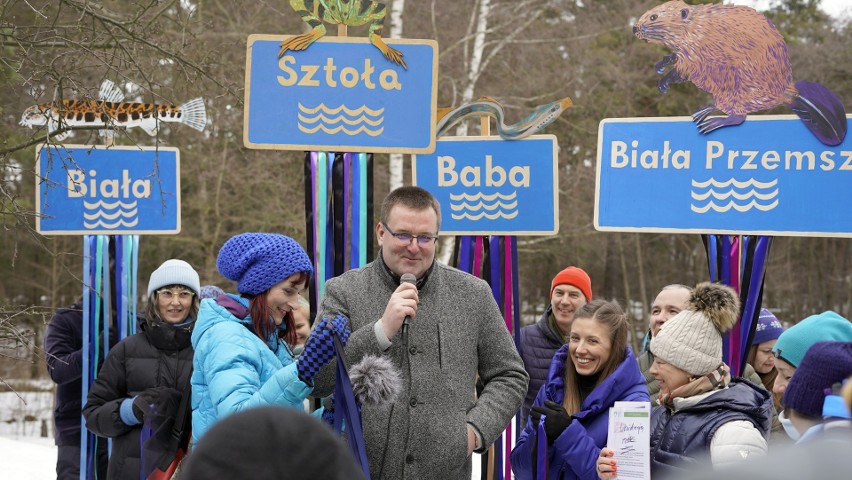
538, 345
159, 356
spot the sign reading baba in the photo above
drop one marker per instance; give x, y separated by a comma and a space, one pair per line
340, 94
768, 176
491, 186
117, 190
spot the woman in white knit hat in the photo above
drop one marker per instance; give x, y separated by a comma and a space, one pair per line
145, 375
704, 416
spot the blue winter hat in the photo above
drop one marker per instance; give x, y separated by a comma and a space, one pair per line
259, 261
768, 328
825, 364
824, 327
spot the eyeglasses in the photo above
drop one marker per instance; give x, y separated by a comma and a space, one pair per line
168, 295
406, 238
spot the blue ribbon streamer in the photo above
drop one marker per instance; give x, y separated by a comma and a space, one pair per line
541, 463
346, 410
357, 234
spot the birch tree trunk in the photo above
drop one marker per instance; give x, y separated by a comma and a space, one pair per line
396, 159
473, 73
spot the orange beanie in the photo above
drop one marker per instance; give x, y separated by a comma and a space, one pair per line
576, 277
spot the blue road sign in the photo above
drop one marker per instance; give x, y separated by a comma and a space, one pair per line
490, 186
340, 94
768, 176
90, 190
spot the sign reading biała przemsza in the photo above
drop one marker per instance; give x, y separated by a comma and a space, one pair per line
768, 176
90, 190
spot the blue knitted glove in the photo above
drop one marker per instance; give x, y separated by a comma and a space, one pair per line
319, 349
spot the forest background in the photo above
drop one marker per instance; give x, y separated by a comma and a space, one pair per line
522, 52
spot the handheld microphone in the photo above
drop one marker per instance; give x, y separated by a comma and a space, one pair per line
406, 278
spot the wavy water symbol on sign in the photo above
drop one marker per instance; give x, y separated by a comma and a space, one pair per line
733, 194
480, 205
108, 215
341, 119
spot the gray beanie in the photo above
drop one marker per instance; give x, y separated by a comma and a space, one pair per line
174, 272
692, 339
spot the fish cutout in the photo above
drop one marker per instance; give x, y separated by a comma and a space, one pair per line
111, 111
541, 116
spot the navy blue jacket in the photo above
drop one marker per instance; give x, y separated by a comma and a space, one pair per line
681, 440
574, 454
538, 344
63, 347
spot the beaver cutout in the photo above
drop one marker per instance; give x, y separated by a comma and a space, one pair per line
736, 55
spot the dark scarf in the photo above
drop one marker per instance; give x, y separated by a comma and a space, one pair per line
586, 384
396, 278
168, 337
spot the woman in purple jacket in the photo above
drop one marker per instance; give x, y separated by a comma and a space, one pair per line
595, 369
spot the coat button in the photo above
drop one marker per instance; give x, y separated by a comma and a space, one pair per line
412, 350
413, 401
409, 458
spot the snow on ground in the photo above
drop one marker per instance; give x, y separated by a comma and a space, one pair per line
30, 458
24, 453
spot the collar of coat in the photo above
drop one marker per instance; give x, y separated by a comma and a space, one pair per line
395, 279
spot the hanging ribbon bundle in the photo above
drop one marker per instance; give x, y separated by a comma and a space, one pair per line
110, 267
338, 213
739, 262
495, 260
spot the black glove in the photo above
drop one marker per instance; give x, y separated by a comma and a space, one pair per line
556, 419
148, 401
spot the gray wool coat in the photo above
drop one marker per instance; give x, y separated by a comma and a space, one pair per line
457, 334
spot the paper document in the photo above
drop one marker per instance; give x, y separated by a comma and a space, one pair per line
630, 437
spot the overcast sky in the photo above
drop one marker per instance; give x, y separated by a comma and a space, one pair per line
835, 8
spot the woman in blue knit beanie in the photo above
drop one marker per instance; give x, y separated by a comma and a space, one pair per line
760, 357
242, 354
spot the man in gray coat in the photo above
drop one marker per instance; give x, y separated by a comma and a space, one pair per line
456, 334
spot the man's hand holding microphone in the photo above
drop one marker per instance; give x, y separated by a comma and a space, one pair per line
402, 306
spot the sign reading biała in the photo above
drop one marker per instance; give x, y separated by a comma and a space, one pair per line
490, 186
93, 190
768, 176
340, 94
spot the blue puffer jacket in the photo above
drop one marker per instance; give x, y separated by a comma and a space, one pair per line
574, 454
538, 344
234, 370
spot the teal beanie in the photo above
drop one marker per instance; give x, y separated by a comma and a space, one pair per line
824, 327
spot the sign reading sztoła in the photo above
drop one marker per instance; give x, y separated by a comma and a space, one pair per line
93, 190
491, 186
340, 94
768, 176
